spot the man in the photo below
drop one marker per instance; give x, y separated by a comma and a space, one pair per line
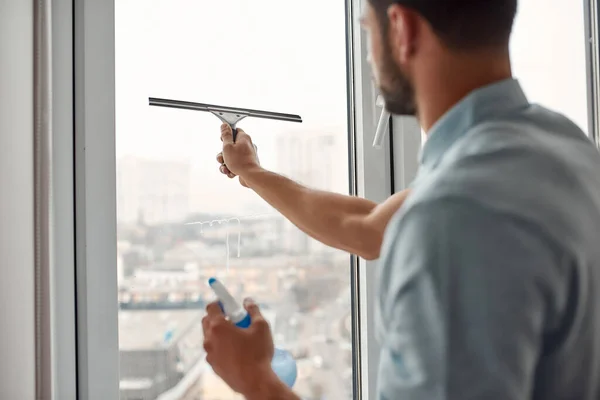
490, 271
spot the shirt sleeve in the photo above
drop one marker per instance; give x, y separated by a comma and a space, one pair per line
462, 300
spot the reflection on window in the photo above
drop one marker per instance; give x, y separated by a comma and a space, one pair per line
180, 221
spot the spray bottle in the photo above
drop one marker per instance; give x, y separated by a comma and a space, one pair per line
283, 364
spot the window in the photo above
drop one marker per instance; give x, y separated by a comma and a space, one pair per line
175, 49
549, 58
179, 221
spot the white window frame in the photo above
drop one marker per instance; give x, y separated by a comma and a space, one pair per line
62, 382
372, 180
17, 345
592, 36
378, 174
95, 200
84, 288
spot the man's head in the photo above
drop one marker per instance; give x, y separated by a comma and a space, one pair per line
409, 36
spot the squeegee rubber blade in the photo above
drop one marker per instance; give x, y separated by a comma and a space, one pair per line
187, 105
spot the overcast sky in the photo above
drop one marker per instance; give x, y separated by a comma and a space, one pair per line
286, 56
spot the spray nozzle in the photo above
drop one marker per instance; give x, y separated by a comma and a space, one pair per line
236, 313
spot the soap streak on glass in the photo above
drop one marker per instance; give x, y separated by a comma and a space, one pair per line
227, 221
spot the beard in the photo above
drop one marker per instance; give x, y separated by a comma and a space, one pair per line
396, 88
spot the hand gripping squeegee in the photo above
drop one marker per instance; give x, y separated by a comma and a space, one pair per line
229, 115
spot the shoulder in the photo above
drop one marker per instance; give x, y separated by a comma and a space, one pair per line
519, 168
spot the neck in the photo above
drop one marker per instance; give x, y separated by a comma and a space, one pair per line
443, 84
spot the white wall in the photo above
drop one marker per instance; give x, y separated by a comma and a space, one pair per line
17, 338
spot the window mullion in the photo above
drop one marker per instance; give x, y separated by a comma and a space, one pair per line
95, 186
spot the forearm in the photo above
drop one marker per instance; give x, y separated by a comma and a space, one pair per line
331, 218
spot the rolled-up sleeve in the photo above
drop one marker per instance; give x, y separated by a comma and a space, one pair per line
462, 301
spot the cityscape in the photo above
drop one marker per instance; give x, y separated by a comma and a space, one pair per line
168, 247
180, 222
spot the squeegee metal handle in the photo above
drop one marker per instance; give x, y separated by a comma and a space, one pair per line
234, 131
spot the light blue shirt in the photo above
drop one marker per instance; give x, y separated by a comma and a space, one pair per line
489, 283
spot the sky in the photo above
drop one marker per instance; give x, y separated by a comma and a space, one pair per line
226, 53
253, 54
288, 57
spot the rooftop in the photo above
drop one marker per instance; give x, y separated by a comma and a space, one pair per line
154, 329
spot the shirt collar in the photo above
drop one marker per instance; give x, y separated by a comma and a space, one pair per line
487, 102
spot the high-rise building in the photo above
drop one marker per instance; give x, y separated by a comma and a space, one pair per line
152, 191
315, 158
312, 158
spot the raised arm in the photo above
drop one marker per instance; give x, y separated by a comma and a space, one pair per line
348, 223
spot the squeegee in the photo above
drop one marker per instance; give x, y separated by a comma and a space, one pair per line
228, 115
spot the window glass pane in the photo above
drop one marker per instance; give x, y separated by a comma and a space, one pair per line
548, 54
180, 221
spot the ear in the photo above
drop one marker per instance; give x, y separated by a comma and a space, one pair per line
403, 31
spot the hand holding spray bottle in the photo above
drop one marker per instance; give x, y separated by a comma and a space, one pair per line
283, 364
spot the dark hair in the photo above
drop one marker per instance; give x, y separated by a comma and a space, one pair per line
461, 24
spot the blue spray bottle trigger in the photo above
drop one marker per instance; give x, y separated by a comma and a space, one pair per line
283, 362
245, 323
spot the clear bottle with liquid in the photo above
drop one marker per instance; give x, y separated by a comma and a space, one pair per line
283, 364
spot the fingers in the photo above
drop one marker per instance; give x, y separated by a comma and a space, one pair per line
229, 147
205, 324
240, 137
259, 324
215, 331
214, 309
223, 168
241, 134
227, 134
214, 320
225, 171
211, 322
252, 308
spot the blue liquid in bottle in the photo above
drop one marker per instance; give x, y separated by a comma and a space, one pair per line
283, 364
